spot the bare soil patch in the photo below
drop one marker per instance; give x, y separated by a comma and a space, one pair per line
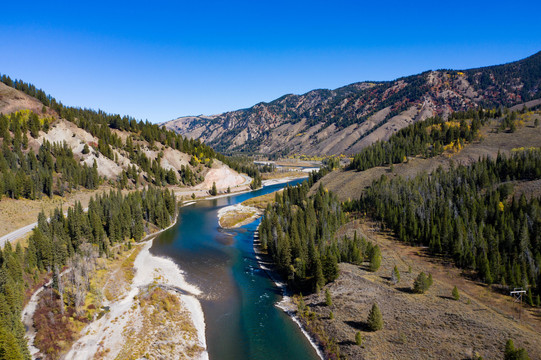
428, 326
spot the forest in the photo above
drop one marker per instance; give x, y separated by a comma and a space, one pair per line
28, 175
298, 232
470, 214
111, 219
427, 138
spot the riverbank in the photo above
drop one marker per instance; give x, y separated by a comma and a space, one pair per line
238, 215
286, 304
145, 307
130, 327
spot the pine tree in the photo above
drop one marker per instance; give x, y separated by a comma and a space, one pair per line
358, 338
375, 259
456, 294
328, 300
529, 297
214, 190
86, 150
422, 283
395, 276
375, 319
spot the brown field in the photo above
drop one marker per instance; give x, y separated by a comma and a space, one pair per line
350, 184
427, 326
282, 174
15, 214
262, 201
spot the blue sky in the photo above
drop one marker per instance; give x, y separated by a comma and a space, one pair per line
158, 60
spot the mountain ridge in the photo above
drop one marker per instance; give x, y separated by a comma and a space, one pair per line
346, 119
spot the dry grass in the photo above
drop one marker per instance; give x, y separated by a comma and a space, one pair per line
428, 326
237, 218
350, 184
114, 275
15, 214
262, 201
165, 332
282, 174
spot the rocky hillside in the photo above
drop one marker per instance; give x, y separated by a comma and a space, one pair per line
344, 120
122, 149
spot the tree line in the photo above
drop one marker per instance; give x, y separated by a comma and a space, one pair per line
299, 233
28, 175
427, 138
111, 219
469, 213
102, 125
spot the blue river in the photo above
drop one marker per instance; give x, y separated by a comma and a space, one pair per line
238, 301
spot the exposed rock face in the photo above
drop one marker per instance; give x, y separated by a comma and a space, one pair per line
344, 120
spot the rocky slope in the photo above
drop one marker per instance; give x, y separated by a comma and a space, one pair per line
344, 120
111, 168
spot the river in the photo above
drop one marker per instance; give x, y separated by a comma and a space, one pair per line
242, 321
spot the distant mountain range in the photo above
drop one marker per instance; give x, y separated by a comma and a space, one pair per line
344, 120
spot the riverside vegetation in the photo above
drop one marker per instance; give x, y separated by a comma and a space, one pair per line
111, 219
31, 169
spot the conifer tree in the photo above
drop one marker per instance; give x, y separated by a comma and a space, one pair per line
456, 294
395, 276
375, 319
421, 283
328, 299
375, 259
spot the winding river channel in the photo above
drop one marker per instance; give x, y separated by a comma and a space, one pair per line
242, 321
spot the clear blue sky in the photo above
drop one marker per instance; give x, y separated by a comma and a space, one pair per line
158, 60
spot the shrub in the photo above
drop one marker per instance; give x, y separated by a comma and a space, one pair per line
510, 353
456, 295
422, 283
358, 338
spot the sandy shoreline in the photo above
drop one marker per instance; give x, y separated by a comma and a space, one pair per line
108, 331
124, 315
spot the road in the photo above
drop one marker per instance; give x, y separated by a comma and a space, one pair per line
17, 234
21, 232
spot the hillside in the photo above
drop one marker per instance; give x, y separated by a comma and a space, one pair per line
347, 119
350, 184
52, 155
461, 206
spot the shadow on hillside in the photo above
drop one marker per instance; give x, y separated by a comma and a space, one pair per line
405, 290
359, 325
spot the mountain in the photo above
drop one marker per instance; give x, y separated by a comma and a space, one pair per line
347, 119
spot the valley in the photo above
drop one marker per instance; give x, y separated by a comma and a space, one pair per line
416, 201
